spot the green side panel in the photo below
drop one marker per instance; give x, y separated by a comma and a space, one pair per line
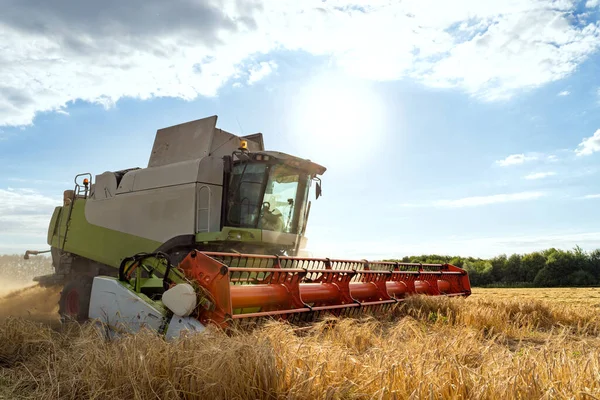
244, 235
52, 228
231, 234
100, 244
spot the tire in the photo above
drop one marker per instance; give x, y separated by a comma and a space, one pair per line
74, 303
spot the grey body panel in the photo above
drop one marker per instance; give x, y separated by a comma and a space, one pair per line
194, 140
183, 325
183, 142
205, 170
121, 309
105, 186
158, 214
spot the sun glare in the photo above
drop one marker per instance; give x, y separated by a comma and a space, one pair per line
337, 123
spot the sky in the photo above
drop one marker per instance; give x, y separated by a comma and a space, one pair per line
467, 128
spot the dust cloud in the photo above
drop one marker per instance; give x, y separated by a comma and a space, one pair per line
20, 296
7, 286
29, 301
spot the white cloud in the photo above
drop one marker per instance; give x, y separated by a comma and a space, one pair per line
532, 44
25, 212
516, 159
474, 201
589, 145
486, 200
260, 71
592, 3
99, 52
564, 93
539, 175
591, 196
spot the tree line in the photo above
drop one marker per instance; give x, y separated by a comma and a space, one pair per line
548, 268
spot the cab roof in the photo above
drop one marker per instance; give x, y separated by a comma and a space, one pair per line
309, 166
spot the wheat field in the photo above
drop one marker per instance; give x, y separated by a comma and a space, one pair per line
498, 343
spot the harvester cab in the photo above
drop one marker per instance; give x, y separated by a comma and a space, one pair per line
210, 232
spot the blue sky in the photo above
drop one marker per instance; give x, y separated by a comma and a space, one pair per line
472, 129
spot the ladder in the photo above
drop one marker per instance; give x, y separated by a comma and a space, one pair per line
80, 191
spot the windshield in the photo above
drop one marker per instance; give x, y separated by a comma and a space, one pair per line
269, 197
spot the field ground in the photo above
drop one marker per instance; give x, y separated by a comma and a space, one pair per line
572, 297
498, 343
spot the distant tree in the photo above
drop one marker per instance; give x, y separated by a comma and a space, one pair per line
480, 272
557, 272
594, 264
545, 279
547, 268
512, 269
498, 267
546, 253
531, 264
457, 261
581, 278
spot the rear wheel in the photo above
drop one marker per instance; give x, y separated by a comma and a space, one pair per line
74, 301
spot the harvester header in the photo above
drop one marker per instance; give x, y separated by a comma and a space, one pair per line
292, 288
226, 288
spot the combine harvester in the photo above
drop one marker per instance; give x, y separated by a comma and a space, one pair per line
209, 233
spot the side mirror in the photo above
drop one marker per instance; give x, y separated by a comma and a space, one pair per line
318, 191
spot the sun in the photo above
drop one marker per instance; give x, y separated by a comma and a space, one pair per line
337, 122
